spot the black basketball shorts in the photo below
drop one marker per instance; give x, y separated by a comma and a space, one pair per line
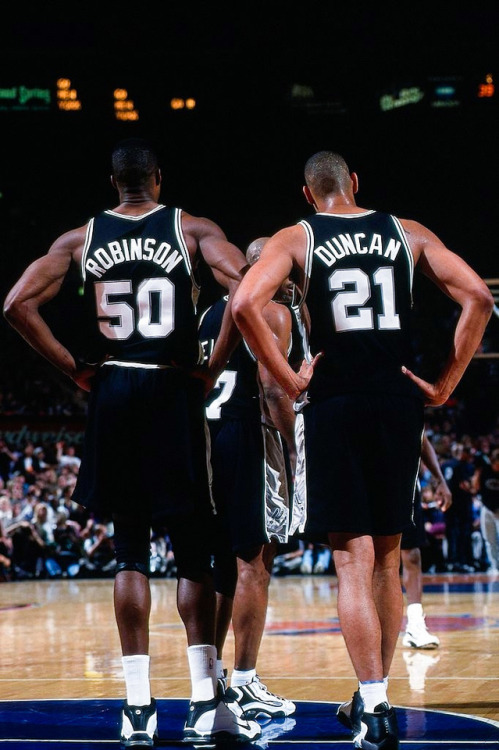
249, 484
358, 464
145, 447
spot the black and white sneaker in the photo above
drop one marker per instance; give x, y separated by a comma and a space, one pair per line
378, 730
139, 725
256, 700
213, 720
350, 713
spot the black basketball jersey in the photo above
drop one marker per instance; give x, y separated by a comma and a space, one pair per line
236, 394
358, 289
139, 289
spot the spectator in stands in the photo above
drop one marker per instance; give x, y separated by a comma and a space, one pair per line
28, 464
98, 547
31, 543
6, 511
24, 499
68, 545
72, 509
433, 555
458, 473
66, 456
5, 555
487, 484
7, 459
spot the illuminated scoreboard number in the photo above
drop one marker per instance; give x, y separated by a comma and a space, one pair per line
124, 108
486, 90
67, 96
176, 103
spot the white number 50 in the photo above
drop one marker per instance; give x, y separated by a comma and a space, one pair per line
117, 319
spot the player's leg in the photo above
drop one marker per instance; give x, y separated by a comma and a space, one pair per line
211, 716
132, 605
250, 606
370, 611
354, 564
387, 592
248, 620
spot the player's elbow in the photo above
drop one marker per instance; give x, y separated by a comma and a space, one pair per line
11, 310
241, 308
17, 313
483, 300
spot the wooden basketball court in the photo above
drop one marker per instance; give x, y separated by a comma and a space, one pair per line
60, 643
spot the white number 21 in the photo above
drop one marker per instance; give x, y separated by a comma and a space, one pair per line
361, 318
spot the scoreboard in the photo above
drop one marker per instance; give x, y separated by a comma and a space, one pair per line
63, 95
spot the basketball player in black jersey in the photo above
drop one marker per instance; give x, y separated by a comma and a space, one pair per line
413, 538
144, 457
361, 404
249, 418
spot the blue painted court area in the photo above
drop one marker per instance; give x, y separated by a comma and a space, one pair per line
85, 724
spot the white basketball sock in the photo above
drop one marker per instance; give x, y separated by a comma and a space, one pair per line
414, 613
136, 670
372, 693
203, 668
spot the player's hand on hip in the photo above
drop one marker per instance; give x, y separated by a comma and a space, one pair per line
209, 378
306, 371
433, 395
84, 375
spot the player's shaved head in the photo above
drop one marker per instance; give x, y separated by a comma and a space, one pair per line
254, 249
327, 172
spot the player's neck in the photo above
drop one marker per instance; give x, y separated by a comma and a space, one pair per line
338, 204
135, 203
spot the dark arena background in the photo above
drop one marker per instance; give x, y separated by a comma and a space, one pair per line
236, 101
236, 98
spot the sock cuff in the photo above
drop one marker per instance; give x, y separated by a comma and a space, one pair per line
200, 648
414, 610
136, 659
242, 676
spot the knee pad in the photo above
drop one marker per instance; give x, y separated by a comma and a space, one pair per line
133, 566
132, 544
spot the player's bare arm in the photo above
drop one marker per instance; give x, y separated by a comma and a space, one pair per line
217, 251
228, 265
40, 283
281, 254
460, 282
278, 404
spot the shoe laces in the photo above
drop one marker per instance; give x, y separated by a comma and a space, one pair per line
265, 688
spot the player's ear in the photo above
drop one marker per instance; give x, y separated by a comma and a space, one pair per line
308, 196
158, 177
355, 182
113, 182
